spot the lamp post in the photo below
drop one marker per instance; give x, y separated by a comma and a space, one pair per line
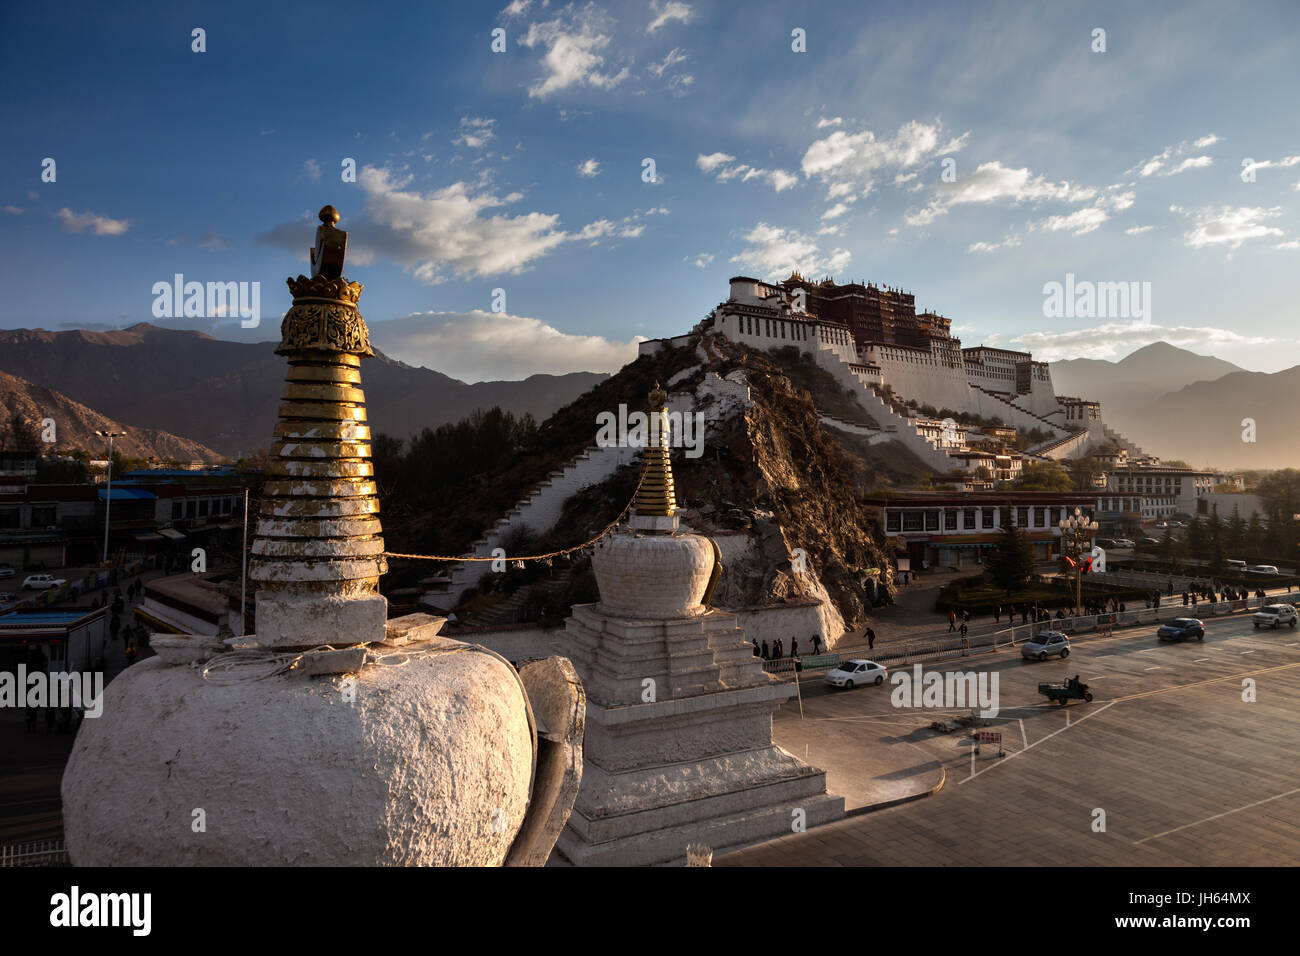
108, 495
1078, 528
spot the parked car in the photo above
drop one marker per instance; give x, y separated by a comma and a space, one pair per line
1263, 569
1182, 629
1150, 540
1236, 565
7, 571
42, 582
1274, 616
1050, 644
851, 673
1105, 542
1123, 542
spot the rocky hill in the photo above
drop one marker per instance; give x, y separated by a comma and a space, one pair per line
75, 425
770, 474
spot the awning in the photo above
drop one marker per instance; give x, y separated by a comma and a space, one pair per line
158, 624
172, 533
147, 536
127, 494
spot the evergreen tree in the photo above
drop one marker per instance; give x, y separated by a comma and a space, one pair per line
1235, 531
1197, 536
1012, 560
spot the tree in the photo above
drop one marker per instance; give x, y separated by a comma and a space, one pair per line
1012, 561
1167, 546
1083, 471
1044, 476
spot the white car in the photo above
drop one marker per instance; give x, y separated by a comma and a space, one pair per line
1045, 645
42, 582
1274, 616
855, 672
1263, 569
1124, 543
7, 571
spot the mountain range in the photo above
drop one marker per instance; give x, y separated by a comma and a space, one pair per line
75, 425
225, 395
1177, 404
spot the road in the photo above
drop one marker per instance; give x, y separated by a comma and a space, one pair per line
1185, 770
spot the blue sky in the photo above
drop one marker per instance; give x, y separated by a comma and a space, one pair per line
523, 170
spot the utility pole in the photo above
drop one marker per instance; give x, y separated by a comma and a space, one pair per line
243, 576
108, 494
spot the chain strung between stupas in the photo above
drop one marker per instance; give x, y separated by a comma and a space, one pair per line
532, 557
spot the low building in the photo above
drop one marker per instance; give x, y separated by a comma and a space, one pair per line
961, 529
1185, 484
1127, 514
70, 639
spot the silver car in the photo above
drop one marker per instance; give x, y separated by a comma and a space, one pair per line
1045, 645
856, 672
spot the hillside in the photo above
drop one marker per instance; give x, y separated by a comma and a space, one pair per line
75, 425
225, 394
772, 473
1202, 423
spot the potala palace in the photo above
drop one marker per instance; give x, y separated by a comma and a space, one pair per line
898, 362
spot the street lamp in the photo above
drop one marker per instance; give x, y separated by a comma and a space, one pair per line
108, 495
1078, 528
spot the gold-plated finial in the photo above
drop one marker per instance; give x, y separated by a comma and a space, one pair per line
656, 498
328, 214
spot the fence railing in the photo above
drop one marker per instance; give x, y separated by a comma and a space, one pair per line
40, 853
932, 649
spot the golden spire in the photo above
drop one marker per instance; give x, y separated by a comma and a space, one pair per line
655, 497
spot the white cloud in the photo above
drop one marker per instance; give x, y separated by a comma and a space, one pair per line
674, 57
775, 251
834, 212
312, 169
1270, 164
1192, 162
475, 132
848, 162
1113, 339
13, 210
703, 259
1160, 161
1228, 225
1010, 242
1078, 222
720, 165
993, 182
588, 169
457, 229
99, 225
477, 345
573, 41
1137, 230
667, 12
1205, 141
833, 121
1291, 244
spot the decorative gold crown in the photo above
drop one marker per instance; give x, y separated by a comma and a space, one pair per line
321, 289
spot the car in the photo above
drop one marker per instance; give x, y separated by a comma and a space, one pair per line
851, 673
1182, 629
1274, 616
1049, 644
42, 582
1105, 542
1236, 565
1263, 569
1123, 542
1150, 540
7, 571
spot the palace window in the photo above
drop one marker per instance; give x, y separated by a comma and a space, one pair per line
1022, 517
969, 519
912, 521
892, 521
988, 518
932, 521
950, 520
1040, 517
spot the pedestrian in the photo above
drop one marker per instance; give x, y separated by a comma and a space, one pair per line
997, 613
130, 654
1184, 599
965, 617
963, 633
952, 621
816, 643
794, 647
766, 655
871, 638
754, 641
1024, 614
